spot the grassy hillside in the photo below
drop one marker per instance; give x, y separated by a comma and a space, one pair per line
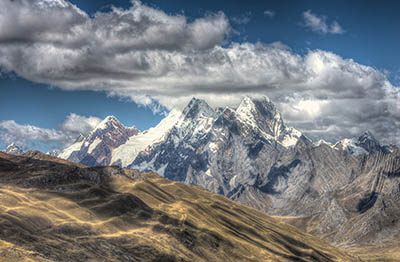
56, 211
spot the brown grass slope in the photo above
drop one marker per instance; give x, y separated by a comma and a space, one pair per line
51, 210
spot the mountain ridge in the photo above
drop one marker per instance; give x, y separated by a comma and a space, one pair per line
243, 153
349, 144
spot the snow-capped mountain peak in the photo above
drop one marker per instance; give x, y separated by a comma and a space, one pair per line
257, 105
245, 105
369, 142
80, 138
111, 142
367, 135
197, 107
126, 153
96, 147
350, 146
13, 149
261, 114
364, 144
108, 122
322, 142
110, 125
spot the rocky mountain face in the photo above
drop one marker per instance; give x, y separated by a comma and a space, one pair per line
249, 155
370, 202
53, 210
364, 144
13, 149
96, 148
219, 149
111, 143
346, 199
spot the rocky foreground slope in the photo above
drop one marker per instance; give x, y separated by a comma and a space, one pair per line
52, 210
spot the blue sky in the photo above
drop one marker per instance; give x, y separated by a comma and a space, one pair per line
47, 107
366, 33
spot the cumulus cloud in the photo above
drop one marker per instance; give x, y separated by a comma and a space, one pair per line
28, 135
318, 24
76, 124
269, 13
149, 55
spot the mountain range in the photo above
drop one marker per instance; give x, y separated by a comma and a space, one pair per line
347, 193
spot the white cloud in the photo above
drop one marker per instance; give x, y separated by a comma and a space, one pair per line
318, 24
269, 13
148, 55
242, 19
28, 135
79, 124
25, 135
336, 28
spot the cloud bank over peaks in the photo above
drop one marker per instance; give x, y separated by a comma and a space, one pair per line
28, 136
149, 55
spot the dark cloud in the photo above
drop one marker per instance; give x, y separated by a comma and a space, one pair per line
149, 55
